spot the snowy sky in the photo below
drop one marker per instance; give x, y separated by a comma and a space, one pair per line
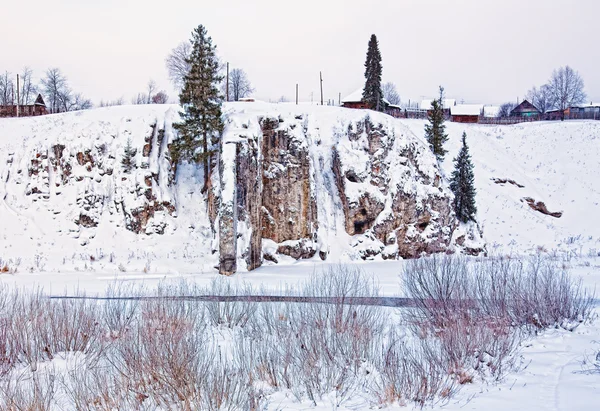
486, 51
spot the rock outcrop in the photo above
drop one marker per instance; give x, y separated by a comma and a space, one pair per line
299, 181
82, 179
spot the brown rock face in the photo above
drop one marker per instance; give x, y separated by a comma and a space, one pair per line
288, 209
416, 224
249, 197
387, 184
541, 207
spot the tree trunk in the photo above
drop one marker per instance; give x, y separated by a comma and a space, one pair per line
206, 159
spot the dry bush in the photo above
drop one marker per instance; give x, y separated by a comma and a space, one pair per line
321, 345
166, 352
99, 388
28, 391
118, 311
473, 316
411, 372
229, 313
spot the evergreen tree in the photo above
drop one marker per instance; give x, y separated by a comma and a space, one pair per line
435, 131
127, 161
372, 93
201, 124
462, 184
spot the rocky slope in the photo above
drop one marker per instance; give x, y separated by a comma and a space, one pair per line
290, 182
300, 184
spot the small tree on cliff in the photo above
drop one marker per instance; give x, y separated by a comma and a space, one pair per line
201, 124
372, 93
128, 162
435, 131
462, 184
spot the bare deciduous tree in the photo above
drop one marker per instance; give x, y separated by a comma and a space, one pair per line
541, 98
566, 88
77, 102
160, 98
505, 110
177, 63
55, 87
239, 85
151, 90
390, 93
28, 90
151, 95
109, 103
6, 89
60, 96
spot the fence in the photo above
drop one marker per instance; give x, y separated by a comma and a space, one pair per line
553, 116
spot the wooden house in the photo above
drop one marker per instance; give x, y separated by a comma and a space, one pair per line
525, 109
354, 100
466, 113
38, 108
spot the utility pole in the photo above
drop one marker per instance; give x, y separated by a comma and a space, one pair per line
321, 76
227, 83
339, 99
17, 95
296, 93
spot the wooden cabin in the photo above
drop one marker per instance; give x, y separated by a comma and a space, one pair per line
525, 109
466, 113
354, 100
38, 108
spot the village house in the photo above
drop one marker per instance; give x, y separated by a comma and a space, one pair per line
38, 108
585, 111
525, 109
355, 100
466, 113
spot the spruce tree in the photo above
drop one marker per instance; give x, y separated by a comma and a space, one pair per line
372, 93
462, 184
127, 161
201, 124
435, 131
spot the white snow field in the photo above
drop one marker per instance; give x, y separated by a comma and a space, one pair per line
554, 162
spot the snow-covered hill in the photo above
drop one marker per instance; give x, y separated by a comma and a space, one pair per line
66, 203
557, 163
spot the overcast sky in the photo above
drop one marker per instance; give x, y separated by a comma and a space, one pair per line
482, 51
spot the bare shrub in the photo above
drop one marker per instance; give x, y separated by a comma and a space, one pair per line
411, 373
28, 391
323, 344
535, 293
474, 314
99, 388
230, 313
120, 312
441, 287
166, 352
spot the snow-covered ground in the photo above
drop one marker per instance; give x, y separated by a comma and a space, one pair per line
555, 162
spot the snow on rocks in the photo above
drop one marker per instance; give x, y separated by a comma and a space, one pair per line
321, 180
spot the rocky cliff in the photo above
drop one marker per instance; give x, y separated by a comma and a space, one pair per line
295, 183
290, 182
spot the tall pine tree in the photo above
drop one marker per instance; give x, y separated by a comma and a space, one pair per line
372, 93
462, 184
201, 101
435, 131
128, 159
